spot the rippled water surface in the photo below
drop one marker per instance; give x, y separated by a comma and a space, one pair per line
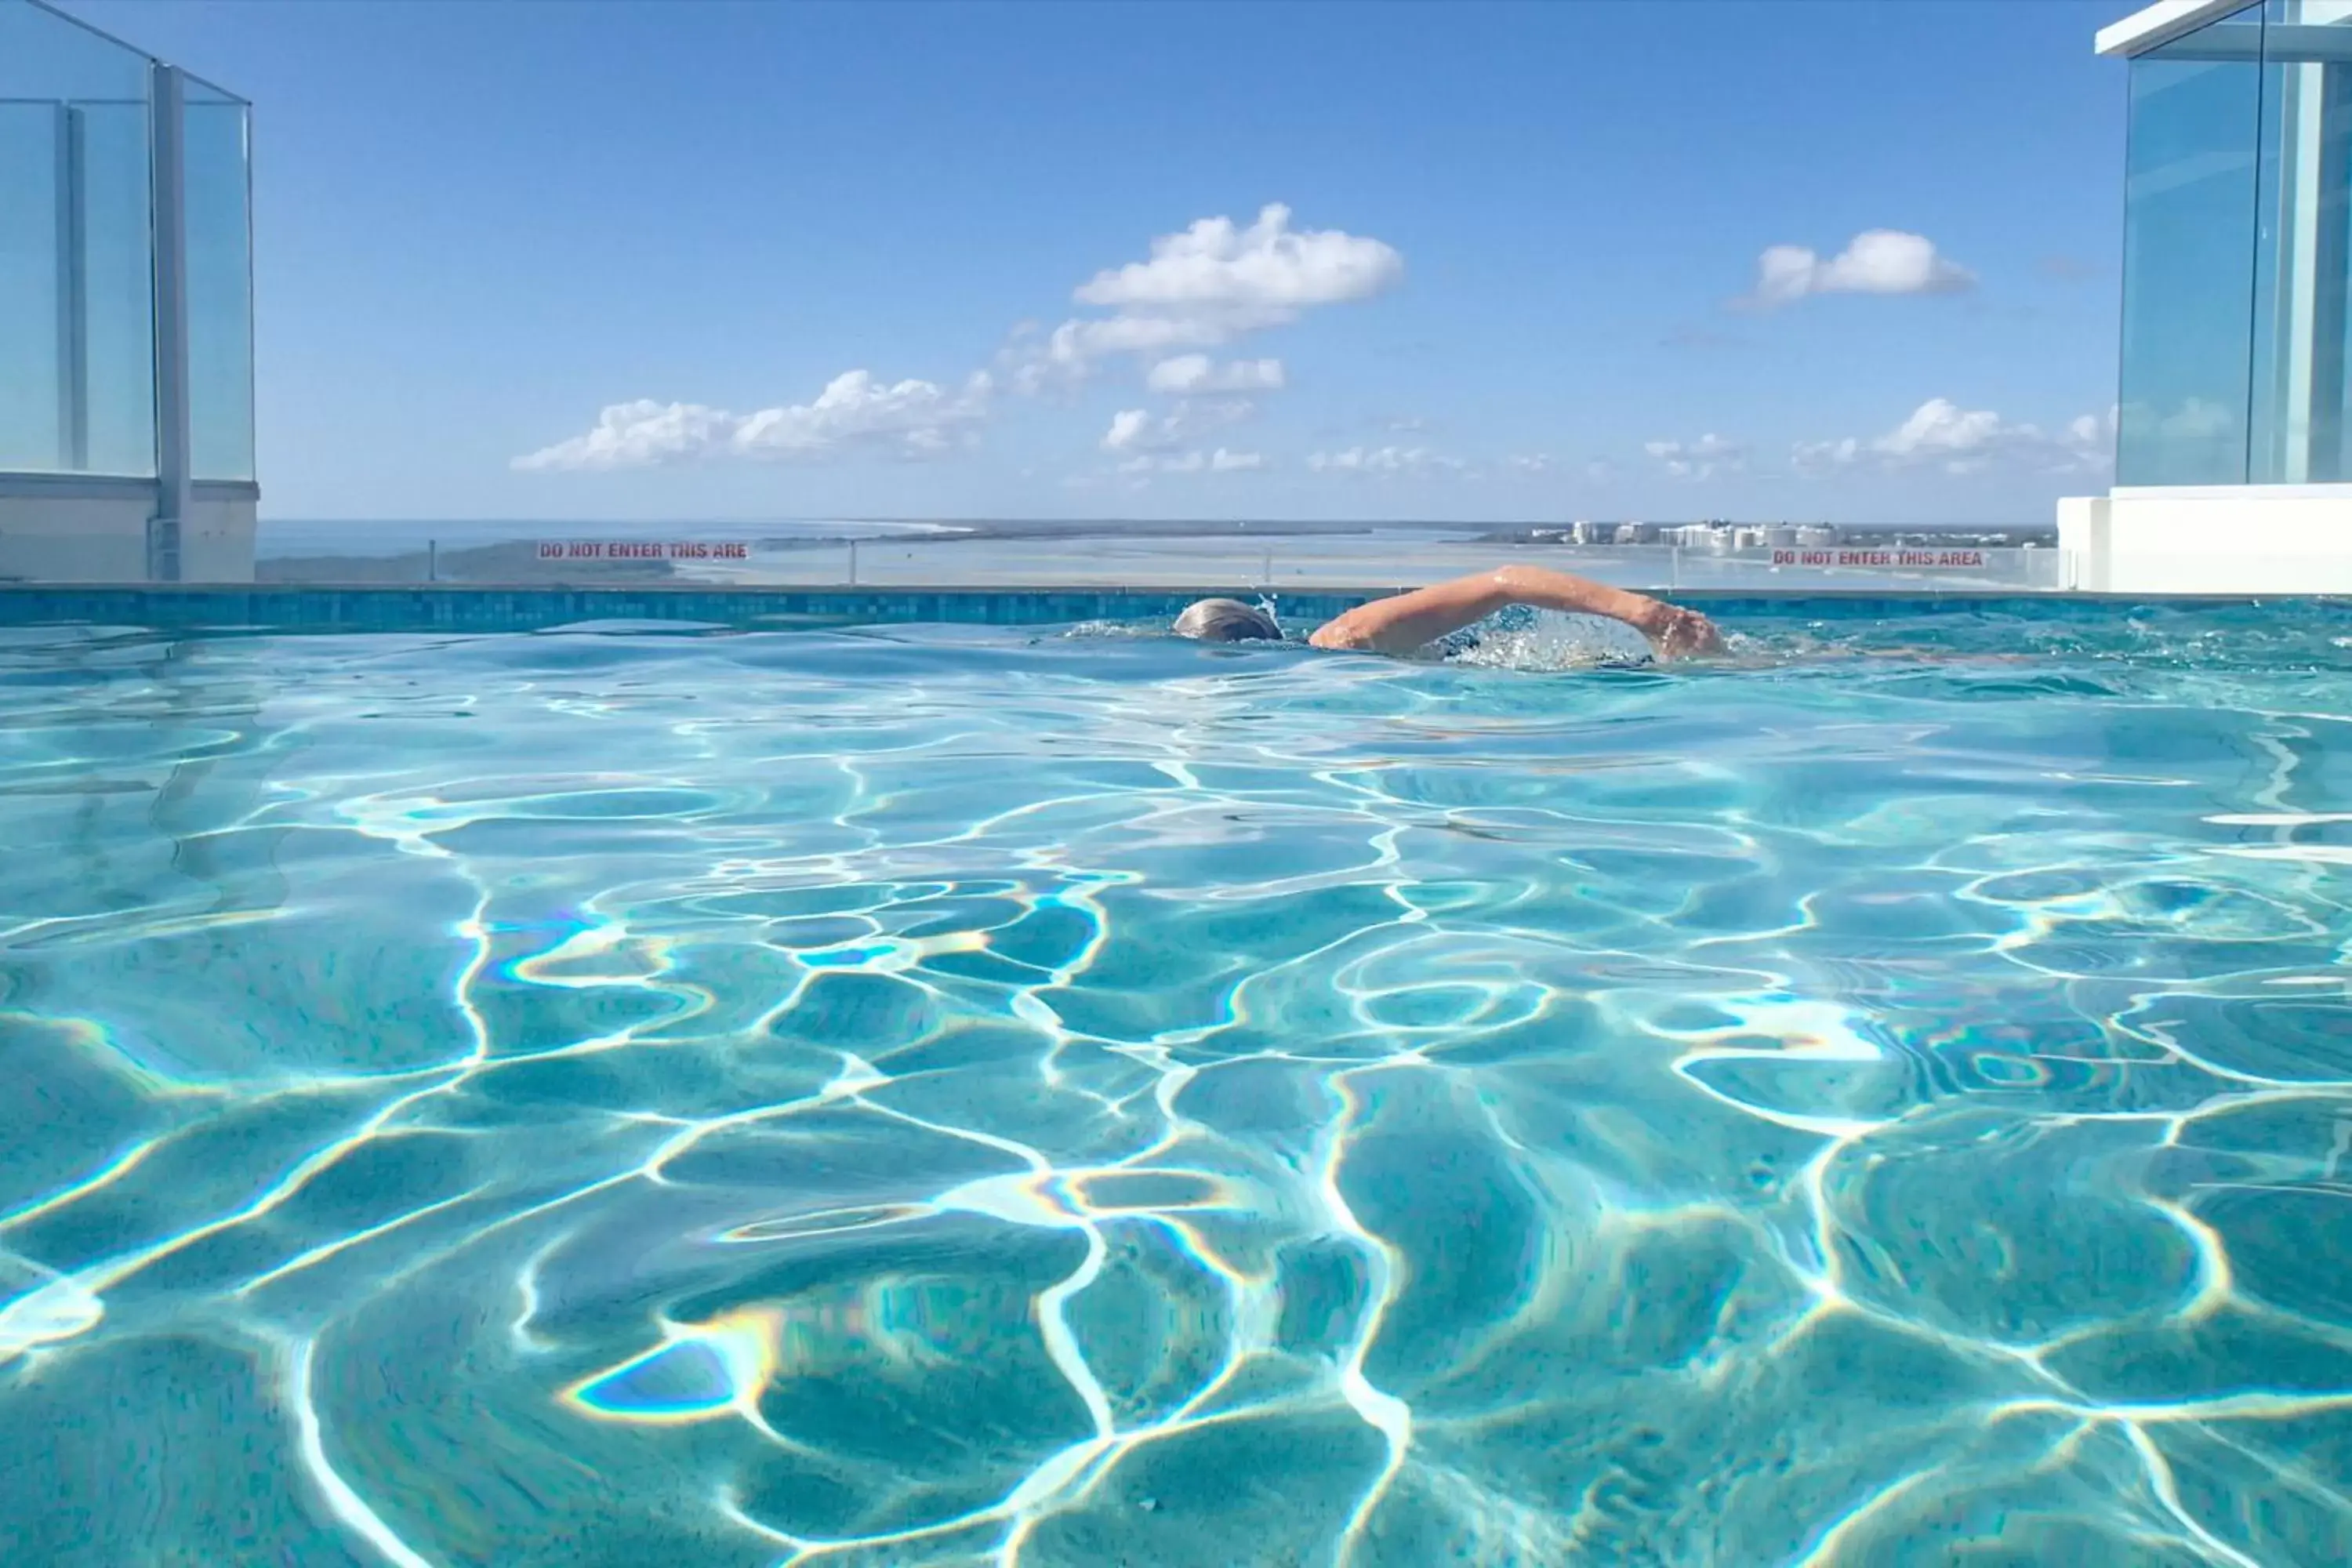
921, 1096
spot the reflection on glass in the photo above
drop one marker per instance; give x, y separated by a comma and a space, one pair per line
45, 55
2188, 257
220, 294
2302, 259
118, 292
30, 437
76, 339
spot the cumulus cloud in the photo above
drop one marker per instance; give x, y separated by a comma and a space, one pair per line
1069, 352
1139, 430
1940, 434
1207, 285
855, 411
1200, 289
1532, 463
1699, 459
1267, 272
1824, 456
1221, 461
1880, 261
1941, 430
1189, 373
1411, 462
1128, 428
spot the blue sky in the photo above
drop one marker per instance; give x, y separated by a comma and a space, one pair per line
738, 260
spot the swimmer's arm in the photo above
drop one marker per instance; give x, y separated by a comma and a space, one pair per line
1413, 620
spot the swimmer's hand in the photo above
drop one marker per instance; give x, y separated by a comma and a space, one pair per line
1677, 633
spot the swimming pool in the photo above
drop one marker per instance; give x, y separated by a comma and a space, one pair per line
926, 1095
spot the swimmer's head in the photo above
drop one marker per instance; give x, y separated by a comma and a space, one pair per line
1227, 620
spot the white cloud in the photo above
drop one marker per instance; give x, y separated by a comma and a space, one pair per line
1532, 463
1128, 426
1388, 461
1135, 430
1189, 373
1880, 261
1266, 273
1821, 457
2197, 419
1940, 434
1699, 459
1221, 461
1070, 350
1169, 463
1200, 289
1207, 285
1941, 430
854, 412
636, 435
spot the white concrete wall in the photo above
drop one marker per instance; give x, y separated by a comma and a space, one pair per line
93, 539
2239, 538
79, 539
216, 542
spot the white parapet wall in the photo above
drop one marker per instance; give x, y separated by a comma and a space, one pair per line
216, 545
2223, 539
77, 538
97, 532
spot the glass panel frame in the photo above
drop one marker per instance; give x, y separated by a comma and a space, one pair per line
33, 398
2301, 327
216, 163
77, 268
2191, 189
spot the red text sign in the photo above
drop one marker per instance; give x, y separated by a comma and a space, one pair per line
643, 550
1878, 558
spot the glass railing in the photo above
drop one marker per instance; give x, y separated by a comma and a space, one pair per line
1206, 556
220, 285
2189, 229
78, 258
77, 301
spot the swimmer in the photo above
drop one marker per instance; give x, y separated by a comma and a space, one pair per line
1406, 621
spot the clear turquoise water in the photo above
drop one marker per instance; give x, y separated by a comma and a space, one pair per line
923, 1096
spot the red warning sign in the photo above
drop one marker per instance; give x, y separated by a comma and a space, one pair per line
643, 550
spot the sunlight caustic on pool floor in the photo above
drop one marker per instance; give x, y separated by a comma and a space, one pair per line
915, 1097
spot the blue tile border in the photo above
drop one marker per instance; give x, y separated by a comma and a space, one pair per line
464, 608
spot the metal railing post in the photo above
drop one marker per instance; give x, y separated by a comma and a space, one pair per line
73, 290
166, 118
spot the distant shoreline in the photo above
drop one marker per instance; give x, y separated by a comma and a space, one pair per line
518, 560
400, 541
1075, 548
314, 542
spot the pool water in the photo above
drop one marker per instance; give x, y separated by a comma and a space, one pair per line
926, 1096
